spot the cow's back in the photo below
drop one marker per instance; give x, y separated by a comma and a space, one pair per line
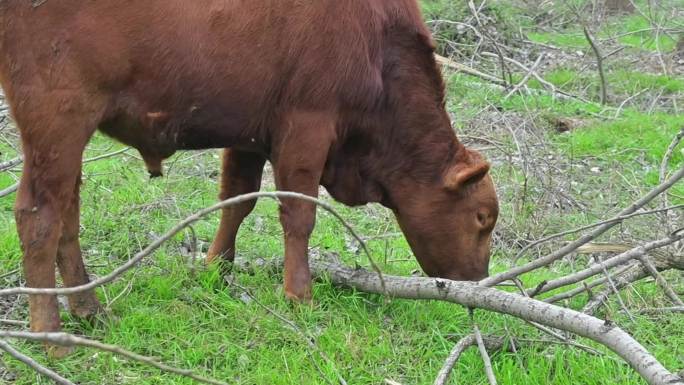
211, 72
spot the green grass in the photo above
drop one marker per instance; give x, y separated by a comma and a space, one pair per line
646, 39
650, 134
633, 31
573, 39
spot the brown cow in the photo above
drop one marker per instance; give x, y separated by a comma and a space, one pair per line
344, 94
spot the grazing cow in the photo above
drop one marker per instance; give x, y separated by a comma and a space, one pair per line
344, 94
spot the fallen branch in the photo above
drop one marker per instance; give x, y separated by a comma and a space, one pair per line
485, 356
463, 344
550, 86
600, 299
526, 78
599, 63
491, 343
660, 280
31, 363
458, 67
676, 309
663, 169
179, 227
669, 152
476, 296
9, 190
569, 248
597, 268
591, 226
586, 286
10, 163
68, 340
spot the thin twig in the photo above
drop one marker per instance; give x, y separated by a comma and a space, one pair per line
676, 309
476, 296
9, 190
483, 350
597, 268
463, 344
30, 362
599, 63
13, 322
64, 339
179, 227
660, 280
104, 156
558, 254
585, 286
611, 284
552, 332
587, 227
555, 92
619, 109
504, 68
664, 165
526, 78
597, 300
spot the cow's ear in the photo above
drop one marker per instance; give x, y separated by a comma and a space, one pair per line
426, 41
464, 174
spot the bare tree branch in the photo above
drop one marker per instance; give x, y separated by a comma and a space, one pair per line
526, 78
597, 268
599, 63
30, 362
587, 227
660, 280
567, 249
11, 163
485, 356
476, 296
180, 226
68, 340
463, 344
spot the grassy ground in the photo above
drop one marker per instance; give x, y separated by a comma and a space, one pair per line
547, 182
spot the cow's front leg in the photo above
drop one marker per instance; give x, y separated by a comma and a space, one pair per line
240, 174
299, 159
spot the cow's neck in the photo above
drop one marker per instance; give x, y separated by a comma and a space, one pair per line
421, 143
409, 143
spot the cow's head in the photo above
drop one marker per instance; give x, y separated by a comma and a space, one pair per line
449, 222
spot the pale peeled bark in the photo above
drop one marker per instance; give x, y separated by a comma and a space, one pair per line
475, 296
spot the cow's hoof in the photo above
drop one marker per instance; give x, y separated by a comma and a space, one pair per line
301, 297
85, 305
218, 257
57, 352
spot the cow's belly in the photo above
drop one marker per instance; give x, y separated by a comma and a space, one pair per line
157, 132
183, 124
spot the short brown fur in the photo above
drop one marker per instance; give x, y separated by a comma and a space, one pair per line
344, 94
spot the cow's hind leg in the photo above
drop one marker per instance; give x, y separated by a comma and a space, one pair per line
241, 174
70, 261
